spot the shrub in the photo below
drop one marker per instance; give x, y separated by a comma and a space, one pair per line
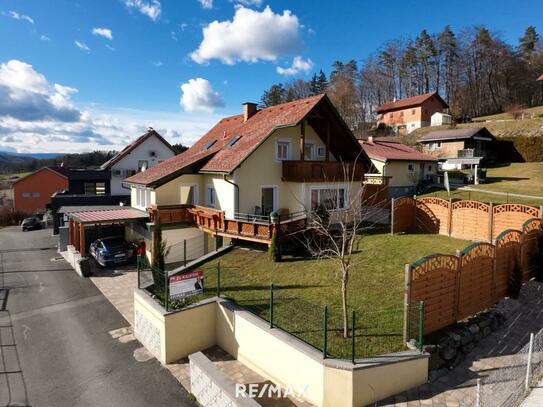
159, 258
9, 216
274, 251
519, 149
515, 111
514, 283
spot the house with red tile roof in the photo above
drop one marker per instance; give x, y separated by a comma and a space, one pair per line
144, 152
284, 159
409, 114
404, 166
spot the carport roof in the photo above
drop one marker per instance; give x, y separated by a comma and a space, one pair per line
120, 214
69, 209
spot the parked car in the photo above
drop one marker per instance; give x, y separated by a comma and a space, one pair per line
109, 251
32, 223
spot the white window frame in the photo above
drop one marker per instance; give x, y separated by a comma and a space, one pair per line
26, 194
275, 197
289, 149
311, 144
143, 198
211, 191
323, 187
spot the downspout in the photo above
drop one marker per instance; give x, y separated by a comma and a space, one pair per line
236, 186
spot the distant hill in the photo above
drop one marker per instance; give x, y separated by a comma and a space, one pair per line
32, 155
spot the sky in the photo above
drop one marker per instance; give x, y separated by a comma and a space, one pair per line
83, 75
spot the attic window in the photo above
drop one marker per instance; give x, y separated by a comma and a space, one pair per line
233, 141
210, 144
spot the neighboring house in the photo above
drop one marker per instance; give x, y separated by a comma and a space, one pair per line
407, 115
459, 148
146, 151
34, 192
404, 166
441, 119
283, 159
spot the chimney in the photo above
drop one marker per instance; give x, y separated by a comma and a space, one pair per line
249, 109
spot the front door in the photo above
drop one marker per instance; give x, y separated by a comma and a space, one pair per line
269, 199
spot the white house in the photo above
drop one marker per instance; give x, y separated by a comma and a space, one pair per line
440, 119
145, 152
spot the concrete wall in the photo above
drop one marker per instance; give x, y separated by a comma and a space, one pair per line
273, 353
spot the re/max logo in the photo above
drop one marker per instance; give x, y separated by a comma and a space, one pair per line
255, 390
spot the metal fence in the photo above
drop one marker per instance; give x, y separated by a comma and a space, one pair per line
509, 384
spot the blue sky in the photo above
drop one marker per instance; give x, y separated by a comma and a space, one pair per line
179, 65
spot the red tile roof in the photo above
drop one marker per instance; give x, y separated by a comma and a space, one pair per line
384, 150
408, 102
220, 157
125, 151
108, 215
540, 78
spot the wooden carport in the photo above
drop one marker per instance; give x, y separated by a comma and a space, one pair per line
78, 221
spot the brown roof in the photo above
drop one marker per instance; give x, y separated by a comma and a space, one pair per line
540, 78
108, 215
385, 150
125, 151
409, 102
214, 152
456, 134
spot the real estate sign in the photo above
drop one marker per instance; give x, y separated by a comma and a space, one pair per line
186, 285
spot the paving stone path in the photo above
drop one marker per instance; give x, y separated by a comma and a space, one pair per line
458, 387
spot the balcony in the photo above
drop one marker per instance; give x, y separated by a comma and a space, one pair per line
321, 171
248, 227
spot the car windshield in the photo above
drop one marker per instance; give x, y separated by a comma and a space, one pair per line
114, 243
29, 220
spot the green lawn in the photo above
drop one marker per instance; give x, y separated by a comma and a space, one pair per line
514, 178
305, 285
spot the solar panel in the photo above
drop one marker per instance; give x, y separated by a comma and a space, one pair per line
210, 144
233, 141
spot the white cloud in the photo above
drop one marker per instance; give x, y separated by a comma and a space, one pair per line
249, 37
17, 16
81, 45
298, 65
198, 96
38, 116
110, 47
157, 64
45, 38
103, 32
149, 8
207, 4
256, 3
26, 95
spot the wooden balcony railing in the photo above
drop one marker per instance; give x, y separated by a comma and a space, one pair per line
321, 171
256, 229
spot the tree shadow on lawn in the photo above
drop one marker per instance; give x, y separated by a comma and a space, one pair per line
493, 180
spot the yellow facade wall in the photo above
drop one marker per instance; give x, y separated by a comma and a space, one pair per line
448, 149
400, 174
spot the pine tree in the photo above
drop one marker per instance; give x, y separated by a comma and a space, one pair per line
274, 251
448, 50
426, 54
313, 84
528, 42
322, 82
273, 96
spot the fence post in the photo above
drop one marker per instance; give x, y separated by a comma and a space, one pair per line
219, 278
353, 336
138, 262
457, 284
166, 294
406, 301
450, 215
541, 212
490, 222
325, 332
185, 252
421, 325
392, 216
271, 305
478, 399
528, 365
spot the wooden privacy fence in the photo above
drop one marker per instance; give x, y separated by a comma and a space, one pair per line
470, 220
456, 287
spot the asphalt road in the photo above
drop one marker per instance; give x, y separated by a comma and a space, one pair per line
55, 345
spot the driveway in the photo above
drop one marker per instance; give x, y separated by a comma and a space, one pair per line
59, 336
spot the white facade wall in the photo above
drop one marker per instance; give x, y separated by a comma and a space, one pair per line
120, 170
440, 119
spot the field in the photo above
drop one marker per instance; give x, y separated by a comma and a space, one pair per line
304, 286
515, 178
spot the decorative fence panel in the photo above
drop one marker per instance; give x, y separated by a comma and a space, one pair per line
403, 219
433, 280
476, 279
425, 219
507, 254
456, 287
511, 216
441, 211
470, 220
